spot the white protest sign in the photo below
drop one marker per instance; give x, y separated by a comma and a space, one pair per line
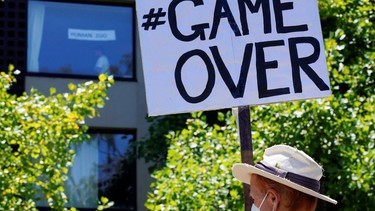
213, 54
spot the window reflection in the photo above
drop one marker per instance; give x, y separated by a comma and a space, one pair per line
80, 39
117, 171
102, 168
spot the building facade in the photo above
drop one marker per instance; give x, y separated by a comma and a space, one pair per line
57, 42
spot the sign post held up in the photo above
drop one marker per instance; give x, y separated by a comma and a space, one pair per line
208, 55
242, 114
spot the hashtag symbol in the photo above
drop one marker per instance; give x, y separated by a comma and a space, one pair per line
153, 19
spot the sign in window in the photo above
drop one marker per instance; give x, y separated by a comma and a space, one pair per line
70, 39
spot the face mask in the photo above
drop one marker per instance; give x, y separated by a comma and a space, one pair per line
254, 208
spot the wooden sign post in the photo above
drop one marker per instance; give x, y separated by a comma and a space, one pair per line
242, 114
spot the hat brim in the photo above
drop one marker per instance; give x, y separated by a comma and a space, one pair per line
243, 172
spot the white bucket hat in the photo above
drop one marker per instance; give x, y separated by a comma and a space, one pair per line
288, 166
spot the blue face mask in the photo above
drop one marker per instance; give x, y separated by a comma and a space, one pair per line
254, 208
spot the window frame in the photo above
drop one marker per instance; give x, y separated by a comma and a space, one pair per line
93, 130
130, 4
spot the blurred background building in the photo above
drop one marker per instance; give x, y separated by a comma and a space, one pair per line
57, 42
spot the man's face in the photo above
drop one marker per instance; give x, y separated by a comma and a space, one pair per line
258, 194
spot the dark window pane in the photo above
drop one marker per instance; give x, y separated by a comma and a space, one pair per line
102, 168
117, 171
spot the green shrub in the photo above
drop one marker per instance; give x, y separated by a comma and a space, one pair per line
36, 132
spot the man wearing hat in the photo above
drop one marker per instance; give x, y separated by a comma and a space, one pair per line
286, 179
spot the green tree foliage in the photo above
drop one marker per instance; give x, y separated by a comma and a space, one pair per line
198, 175
155, 148
36, 132
337, 131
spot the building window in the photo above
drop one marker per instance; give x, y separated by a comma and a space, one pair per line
102, 167
73, 39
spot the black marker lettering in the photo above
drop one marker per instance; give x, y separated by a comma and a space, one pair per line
218, 15
262, 65
236, 91
198, 29
304, 63
255, 9
211, 76
279, 7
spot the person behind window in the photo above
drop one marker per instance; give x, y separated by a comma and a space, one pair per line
286, 179
102, 64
